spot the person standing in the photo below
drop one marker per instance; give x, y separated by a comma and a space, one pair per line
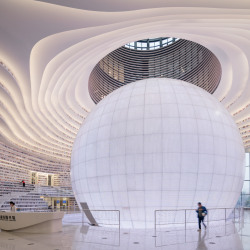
23, 183
201, 213
12, 206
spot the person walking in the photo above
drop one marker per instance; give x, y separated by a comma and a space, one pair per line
23, 183
201, 213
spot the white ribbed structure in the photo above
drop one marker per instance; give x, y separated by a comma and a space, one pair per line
47, 53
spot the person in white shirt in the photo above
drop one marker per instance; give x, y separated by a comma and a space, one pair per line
12, 207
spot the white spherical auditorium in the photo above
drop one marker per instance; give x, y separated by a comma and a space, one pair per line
157, 144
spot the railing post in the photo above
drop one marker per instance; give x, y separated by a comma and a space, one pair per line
83, 217
243, 215
185, 219
239, 214
119, 221
234, 215
239, 218
155, 221
185, 225
207, 217
225, 216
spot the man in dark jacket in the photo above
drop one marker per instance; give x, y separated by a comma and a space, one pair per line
201, 213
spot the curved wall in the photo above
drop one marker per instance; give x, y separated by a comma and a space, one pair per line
184, 60
17, 164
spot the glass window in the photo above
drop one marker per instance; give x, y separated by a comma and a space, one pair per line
247, 176
139, 44
247, 159
246, 187
245, 195
151, 44
246, 200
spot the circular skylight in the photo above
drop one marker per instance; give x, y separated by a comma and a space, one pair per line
151, 44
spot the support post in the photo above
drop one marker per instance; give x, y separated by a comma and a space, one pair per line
119, 221
155, 222
185, 225
207, 217
185, 219
83, 217
225, 216
234, 215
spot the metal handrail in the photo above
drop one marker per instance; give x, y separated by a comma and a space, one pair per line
226, 217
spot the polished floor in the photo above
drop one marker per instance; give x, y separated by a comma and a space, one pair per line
220, 236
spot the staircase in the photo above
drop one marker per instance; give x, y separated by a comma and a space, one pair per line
27, 202
30, 197
13, 190
14, 187
49, 191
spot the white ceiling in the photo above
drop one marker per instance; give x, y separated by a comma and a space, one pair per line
51, 50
